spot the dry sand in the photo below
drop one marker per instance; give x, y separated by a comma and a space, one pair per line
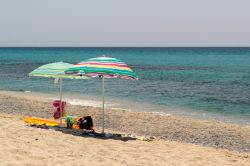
24, 145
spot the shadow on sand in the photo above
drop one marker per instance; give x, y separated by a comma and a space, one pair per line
88, 133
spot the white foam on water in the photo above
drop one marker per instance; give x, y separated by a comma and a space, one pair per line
162, 113
85, 102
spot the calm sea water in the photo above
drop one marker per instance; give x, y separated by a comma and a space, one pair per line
201, 82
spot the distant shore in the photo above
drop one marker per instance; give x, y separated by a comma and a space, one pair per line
175, 128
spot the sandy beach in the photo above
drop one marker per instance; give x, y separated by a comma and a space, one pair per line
179, 140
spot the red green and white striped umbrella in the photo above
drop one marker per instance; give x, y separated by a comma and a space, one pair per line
103, 67
106, 67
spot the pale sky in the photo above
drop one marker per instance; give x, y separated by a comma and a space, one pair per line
124, 22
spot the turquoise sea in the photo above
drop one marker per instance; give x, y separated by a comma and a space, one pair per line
209, 83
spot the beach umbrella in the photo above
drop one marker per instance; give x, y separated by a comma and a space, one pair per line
103, 67
56, 70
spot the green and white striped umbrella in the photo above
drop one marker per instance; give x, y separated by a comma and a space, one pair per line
103, 67
55, 70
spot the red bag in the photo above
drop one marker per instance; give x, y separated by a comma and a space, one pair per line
56, 104
57, 114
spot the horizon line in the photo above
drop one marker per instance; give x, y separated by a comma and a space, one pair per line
124, 46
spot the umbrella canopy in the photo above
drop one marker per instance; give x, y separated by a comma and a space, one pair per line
103, 67
106, 67
55, 70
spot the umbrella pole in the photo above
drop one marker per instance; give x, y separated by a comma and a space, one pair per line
103, 104
60, 125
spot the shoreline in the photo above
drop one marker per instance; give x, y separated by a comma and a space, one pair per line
136, 106
214, 134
